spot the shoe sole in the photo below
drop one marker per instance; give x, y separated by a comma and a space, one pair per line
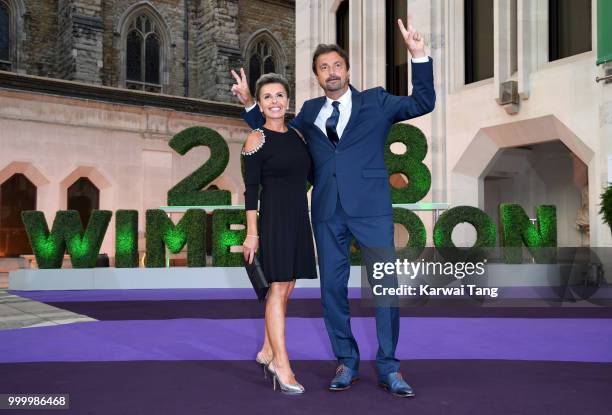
346, 387
386, 387
292, 393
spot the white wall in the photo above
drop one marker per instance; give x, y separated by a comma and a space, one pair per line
562, 95
124, 149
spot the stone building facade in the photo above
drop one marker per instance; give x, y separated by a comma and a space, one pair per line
194, 43
533, 129
92, 91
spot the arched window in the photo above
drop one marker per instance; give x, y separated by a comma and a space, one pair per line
143, 55
83, 196
5, 36
16, 195
11, 33
261, 61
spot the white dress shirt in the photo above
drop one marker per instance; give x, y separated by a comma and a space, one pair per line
346, 103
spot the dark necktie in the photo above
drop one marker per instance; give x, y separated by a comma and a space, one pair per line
332, 122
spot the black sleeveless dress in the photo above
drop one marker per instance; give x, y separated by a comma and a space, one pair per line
282, 166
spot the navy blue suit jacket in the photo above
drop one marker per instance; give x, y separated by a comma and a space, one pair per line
355, 170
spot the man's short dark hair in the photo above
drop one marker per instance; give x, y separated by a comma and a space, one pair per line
322, 49
271, 78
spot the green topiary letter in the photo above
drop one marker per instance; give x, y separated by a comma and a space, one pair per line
486, 233
517, 230
66, 234
417, 236
224, 237
410, 163
187, 192
161, 231
126, 239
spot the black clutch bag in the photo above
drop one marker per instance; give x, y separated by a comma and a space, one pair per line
257, 277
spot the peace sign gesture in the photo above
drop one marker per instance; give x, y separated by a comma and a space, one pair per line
241, 88
413, 39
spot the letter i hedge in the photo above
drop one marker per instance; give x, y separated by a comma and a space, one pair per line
126, 239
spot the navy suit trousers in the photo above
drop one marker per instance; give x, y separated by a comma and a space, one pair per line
333, 238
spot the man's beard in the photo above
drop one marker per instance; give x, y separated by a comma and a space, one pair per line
334, 86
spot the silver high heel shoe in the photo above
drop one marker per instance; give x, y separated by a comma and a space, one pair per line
263, 362
286, 388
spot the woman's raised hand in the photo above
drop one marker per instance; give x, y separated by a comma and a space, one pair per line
241, 88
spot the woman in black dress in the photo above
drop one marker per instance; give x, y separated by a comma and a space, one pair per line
277, 160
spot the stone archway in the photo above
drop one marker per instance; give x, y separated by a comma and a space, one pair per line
492, 146
98, 179
20, 183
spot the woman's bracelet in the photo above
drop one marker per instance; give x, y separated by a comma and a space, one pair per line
254, 236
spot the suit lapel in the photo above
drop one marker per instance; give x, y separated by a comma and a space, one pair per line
314, 109
311, 116
356, 101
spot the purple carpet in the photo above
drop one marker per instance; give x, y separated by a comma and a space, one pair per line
461, 387
161, 294
215, 303
581, 340
190, 352
598, 295
308, 308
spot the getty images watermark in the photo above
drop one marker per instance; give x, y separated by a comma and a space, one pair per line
449, 277
404, 268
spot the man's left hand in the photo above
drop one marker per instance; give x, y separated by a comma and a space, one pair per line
413, 39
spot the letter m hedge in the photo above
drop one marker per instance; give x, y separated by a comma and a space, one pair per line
162, 232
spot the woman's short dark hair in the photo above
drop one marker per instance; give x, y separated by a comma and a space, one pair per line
322, 49
271, 78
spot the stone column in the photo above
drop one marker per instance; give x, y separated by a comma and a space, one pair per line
437, 46
307, 24
80, 40
218, 49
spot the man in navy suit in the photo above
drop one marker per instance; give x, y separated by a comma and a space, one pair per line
346, 132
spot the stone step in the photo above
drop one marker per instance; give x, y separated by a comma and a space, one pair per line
19, 312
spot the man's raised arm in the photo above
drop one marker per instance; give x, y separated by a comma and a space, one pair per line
423, 98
